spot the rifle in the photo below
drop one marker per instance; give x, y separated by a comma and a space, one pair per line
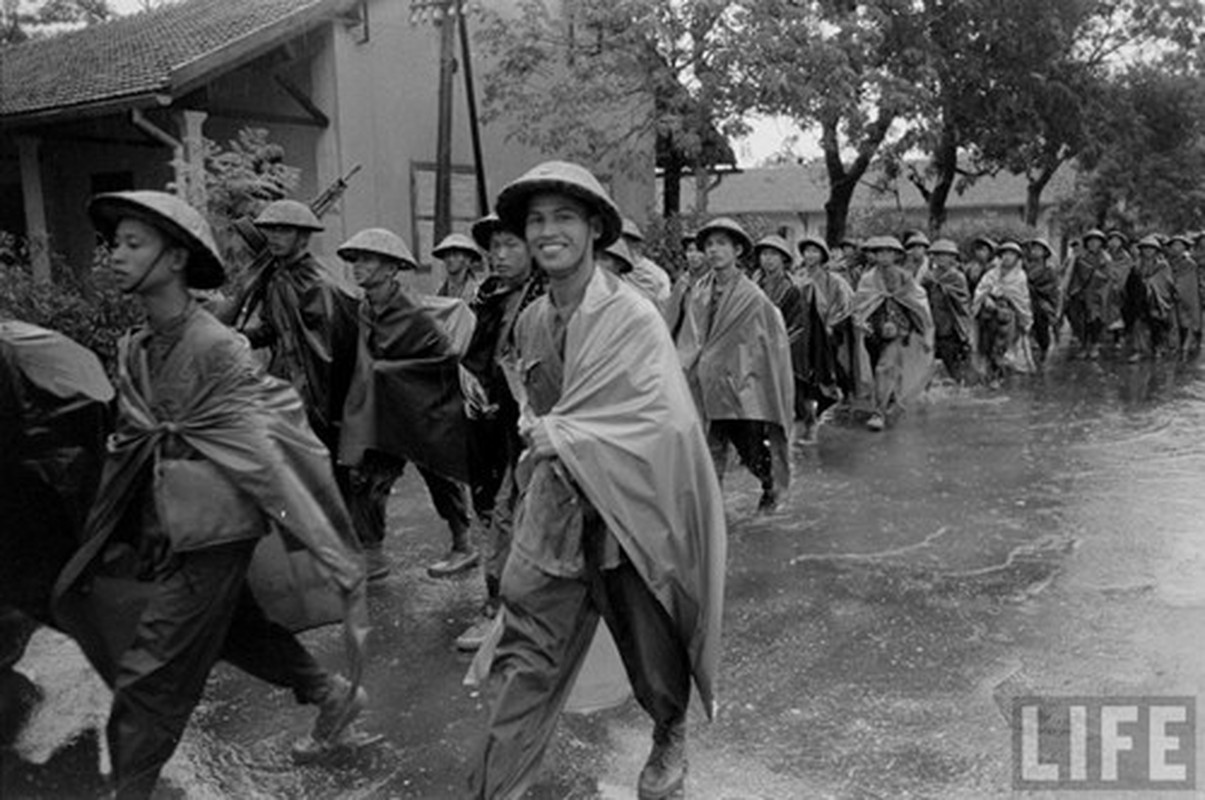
251, 297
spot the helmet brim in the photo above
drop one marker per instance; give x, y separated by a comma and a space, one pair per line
204, 269
513, 201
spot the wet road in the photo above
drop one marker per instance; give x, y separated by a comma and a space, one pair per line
1048, 537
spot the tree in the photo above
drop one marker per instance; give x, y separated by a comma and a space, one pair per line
846, 66
600, 80
22, 20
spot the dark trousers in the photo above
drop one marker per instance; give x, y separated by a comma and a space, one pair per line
549, 624
487, 463
749, 438
369, 493
200, 612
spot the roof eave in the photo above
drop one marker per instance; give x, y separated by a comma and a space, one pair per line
193, 74
86, 110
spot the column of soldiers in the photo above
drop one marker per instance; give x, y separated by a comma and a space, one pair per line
575, 407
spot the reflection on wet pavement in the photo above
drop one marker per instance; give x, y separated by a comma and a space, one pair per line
1043, 537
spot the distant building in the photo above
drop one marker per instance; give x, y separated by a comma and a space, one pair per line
125, 104
792, 198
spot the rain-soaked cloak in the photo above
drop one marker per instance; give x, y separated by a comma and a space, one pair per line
823, 359
1086, 291
211, 397
405, 400
309, 322
906, 361
1149, 303
626, 429
1044, 297
997, 343
1188, 293
740, 368
54, 414
1120, 264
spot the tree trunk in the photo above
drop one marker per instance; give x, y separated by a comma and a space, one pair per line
836, 209
945, 161
1033, 194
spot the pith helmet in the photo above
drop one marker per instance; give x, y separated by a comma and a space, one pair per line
851, 241
1010, 247
1118, 234
288, 214
883, 243
631, 230
815, 241
620, 251
689, 237
1042, 243
483, 230
1180, 237
1151, 241
453, 242
381, 242
1095, 233
175, 218
917, 240
943, 247
729, 226
561, 176
776, 243
986, 241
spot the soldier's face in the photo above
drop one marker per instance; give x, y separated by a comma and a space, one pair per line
1037, 253
456, 262
284, 242
812, 255
143, 258
696, 262
371, 271
721, 250
944, 261
1009, 259
560, 231
1094, 245
510, 257
771, 261
884, 257
1177, 248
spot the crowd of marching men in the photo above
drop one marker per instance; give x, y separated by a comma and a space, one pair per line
570, 405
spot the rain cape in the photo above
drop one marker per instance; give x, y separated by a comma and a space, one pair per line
1011, 287
1188, 293
627, 431
821, 358
54, 404
740, 368
405, 399
306, 571
906, 361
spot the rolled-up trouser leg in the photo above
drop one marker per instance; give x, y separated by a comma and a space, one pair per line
270, 652
649, 643
549, 624
161, 676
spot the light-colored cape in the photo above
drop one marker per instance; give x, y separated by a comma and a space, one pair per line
906, 363
627, 431
1011, 287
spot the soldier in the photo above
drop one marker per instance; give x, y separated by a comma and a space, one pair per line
893, 328
916, 255
1044, 296
848, 263
1086, 293
494, 442
306, 319
737, 358
208, 452
405, 405
1117, 245
1150, 302
622, 516
697, 266
646, 274
950, 304
1188, 295
1002, 311
983, 251
461, 261
823, 371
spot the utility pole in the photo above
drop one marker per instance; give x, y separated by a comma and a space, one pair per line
443, 141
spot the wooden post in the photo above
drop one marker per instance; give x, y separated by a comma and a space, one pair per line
191, 174
443, 137
35, 210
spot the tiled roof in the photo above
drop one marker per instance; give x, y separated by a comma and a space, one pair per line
133, 55
793, 189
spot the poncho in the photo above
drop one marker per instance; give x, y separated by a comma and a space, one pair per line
212, 397
626, 429
905, 363
740, 367
1009, 287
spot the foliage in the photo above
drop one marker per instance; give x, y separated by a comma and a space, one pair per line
91, 310
21, 21
604, 80
1146, 166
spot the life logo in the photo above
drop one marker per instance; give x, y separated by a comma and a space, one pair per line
1103, 743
